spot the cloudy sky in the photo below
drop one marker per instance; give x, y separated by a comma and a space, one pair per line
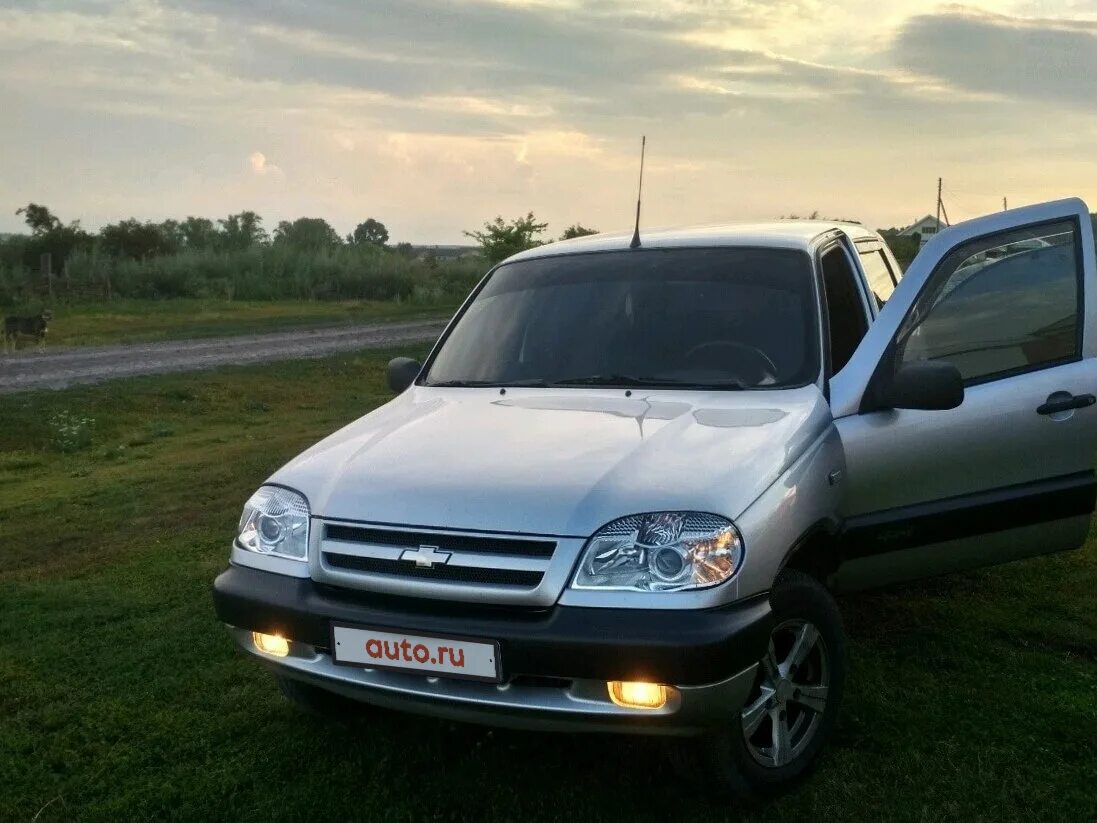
434, 115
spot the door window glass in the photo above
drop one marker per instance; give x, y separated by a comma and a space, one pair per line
1001, 305
879, 275
845, 310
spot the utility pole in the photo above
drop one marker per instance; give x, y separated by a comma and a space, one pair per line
938, 204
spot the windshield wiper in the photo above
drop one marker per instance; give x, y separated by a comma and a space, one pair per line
634, 381
488, 384
621, 380
614, 380
460, 384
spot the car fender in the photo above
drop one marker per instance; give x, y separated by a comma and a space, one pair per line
806, 497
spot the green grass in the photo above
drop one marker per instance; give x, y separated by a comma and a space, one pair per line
972, 697
140, 321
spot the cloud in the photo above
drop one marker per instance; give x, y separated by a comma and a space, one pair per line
424, 47
1006, 56
484, 68
263, 167
437, 113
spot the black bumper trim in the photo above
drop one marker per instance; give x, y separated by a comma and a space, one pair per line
680, 647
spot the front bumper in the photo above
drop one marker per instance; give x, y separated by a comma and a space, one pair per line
555, 661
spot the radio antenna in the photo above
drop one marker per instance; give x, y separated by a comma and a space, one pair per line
635, 244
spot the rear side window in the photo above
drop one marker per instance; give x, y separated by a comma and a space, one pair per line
845, 311
1001, 305
879, 275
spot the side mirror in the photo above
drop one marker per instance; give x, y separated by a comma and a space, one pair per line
929, 385
402, 373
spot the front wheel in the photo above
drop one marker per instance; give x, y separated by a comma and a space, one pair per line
775, 739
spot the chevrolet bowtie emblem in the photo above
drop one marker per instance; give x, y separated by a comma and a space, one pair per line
426, 556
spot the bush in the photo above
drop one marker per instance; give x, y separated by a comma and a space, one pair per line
260, 272
70, 433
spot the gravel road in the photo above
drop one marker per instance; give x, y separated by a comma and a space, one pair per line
26, 370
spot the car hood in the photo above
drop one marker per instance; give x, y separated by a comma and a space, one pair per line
554, 462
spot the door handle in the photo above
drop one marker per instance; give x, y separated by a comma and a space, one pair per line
1065, 402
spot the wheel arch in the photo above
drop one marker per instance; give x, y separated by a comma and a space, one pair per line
817, 552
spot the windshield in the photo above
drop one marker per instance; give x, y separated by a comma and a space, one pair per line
702, 318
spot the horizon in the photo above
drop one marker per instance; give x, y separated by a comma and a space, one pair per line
550, 235
435, 117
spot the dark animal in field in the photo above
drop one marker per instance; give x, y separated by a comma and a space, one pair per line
36, 327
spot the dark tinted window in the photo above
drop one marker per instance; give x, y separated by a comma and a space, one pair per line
1001, 305
730, 316
845, 311
878, 274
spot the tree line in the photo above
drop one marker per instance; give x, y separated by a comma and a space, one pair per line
139, 240
235, 257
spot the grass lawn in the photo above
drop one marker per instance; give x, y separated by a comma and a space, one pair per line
973, 697
140, 321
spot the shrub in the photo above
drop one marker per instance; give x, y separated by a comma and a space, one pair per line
68, 432
259, 272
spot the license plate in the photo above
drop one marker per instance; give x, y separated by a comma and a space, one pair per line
434, 654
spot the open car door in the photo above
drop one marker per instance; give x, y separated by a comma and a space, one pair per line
1009, 300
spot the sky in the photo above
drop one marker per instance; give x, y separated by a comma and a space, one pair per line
434, 116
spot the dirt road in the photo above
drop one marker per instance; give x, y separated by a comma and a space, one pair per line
47, 369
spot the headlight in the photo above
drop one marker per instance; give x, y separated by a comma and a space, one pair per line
663, 551
275, 521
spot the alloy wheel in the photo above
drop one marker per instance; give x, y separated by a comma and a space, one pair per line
786, 708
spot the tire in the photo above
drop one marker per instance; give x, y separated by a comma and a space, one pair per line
751, 766
316, 701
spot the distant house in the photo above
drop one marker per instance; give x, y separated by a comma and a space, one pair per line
926, 227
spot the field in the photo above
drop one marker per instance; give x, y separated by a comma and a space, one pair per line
973, 697
143, 321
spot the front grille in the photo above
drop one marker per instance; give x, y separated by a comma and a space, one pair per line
381, 558
459, 574
520, 547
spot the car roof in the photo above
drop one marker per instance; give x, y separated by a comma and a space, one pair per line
782, 234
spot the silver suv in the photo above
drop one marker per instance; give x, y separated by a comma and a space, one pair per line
620, 491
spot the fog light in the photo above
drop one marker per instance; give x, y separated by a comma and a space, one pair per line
272, 644
637, 695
